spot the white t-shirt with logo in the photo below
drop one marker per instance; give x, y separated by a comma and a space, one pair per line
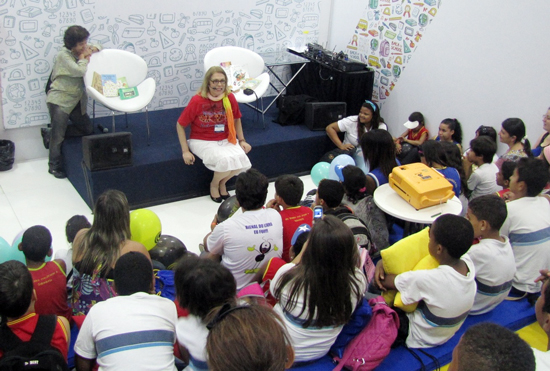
246, 241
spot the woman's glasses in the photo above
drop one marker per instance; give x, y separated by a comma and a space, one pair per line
217, 82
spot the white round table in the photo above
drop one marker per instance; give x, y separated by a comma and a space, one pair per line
391, 203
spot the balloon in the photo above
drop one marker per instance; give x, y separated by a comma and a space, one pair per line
168, 251
7, 252
227, 209
360, 162
336, 166
17, 239
145, 227
319, 172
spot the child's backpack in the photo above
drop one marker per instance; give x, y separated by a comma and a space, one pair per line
36, 354
164, 283
359, 229
368, 349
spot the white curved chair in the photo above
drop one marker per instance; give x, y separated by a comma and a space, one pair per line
250, 61
123, 64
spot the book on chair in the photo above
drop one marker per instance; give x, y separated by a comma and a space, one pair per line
108, 84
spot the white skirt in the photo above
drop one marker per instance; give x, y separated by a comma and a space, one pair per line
220, 156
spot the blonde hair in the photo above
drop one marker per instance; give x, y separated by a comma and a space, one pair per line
203, 90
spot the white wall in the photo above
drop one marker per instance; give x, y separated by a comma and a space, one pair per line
479, 61
172, 36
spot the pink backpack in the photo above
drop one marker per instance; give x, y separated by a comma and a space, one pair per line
369, 348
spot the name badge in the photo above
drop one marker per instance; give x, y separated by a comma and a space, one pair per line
219, 128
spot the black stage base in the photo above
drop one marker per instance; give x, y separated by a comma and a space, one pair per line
158, 174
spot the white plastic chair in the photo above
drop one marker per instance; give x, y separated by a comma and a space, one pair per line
122, 64
251, 62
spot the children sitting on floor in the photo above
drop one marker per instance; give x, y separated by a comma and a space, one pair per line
444, 294
288, 193
201, 285
49, 278
492, 256
528, 224
17, 300
482, 180
491, 347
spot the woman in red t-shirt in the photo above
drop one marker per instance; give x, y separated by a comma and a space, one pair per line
216, 132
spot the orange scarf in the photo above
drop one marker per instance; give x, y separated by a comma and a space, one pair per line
232, 138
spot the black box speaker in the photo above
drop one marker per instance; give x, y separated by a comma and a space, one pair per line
320, 114
107, 151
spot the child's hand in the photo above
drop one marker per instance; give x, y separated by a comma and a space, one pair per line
214, 222
272, 204
544, 275
379, 275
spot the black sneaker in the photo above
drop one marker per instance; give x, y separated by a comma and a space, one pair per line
59, 174
45, 132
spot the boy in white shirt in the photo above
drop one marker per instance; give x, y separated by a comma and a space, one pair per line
482, 181
528, 225
493, 257
444, 294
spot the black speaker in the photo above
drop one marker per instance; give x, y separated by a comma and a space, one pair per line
107, 151
320, 114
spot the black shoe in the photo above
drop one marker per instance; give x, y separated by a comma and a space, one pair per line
59, 174
46, 132
216, 199
225, 197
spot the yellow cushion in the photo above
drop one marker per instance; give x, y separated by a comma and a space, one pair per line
428, 262
403, 256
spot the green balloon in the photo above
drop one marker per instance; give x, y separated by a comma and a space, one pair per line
319, 172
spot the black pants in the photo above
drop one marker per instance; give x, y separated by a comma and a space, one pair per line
403, 330
81, 125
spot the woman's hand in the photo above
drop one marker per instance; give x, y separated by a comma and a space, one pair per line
245, 146
379, 275
188, 158
347, 147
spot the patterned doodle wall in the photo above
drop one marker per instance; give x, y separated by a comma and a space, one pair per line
387, 35
172, 42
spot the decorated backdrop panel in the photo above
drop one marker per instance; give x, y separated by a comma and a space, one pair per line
171, 35
386, 37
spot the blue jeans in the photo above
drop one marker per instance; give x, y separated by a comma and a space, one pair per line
82, 125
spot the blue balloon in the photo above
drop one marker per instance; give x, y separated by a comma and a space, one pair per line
319, 172
360, 162
337, 165
9, 253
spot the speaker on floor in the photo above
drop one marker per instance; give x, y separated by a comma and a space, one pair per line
107, 151
320, 114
